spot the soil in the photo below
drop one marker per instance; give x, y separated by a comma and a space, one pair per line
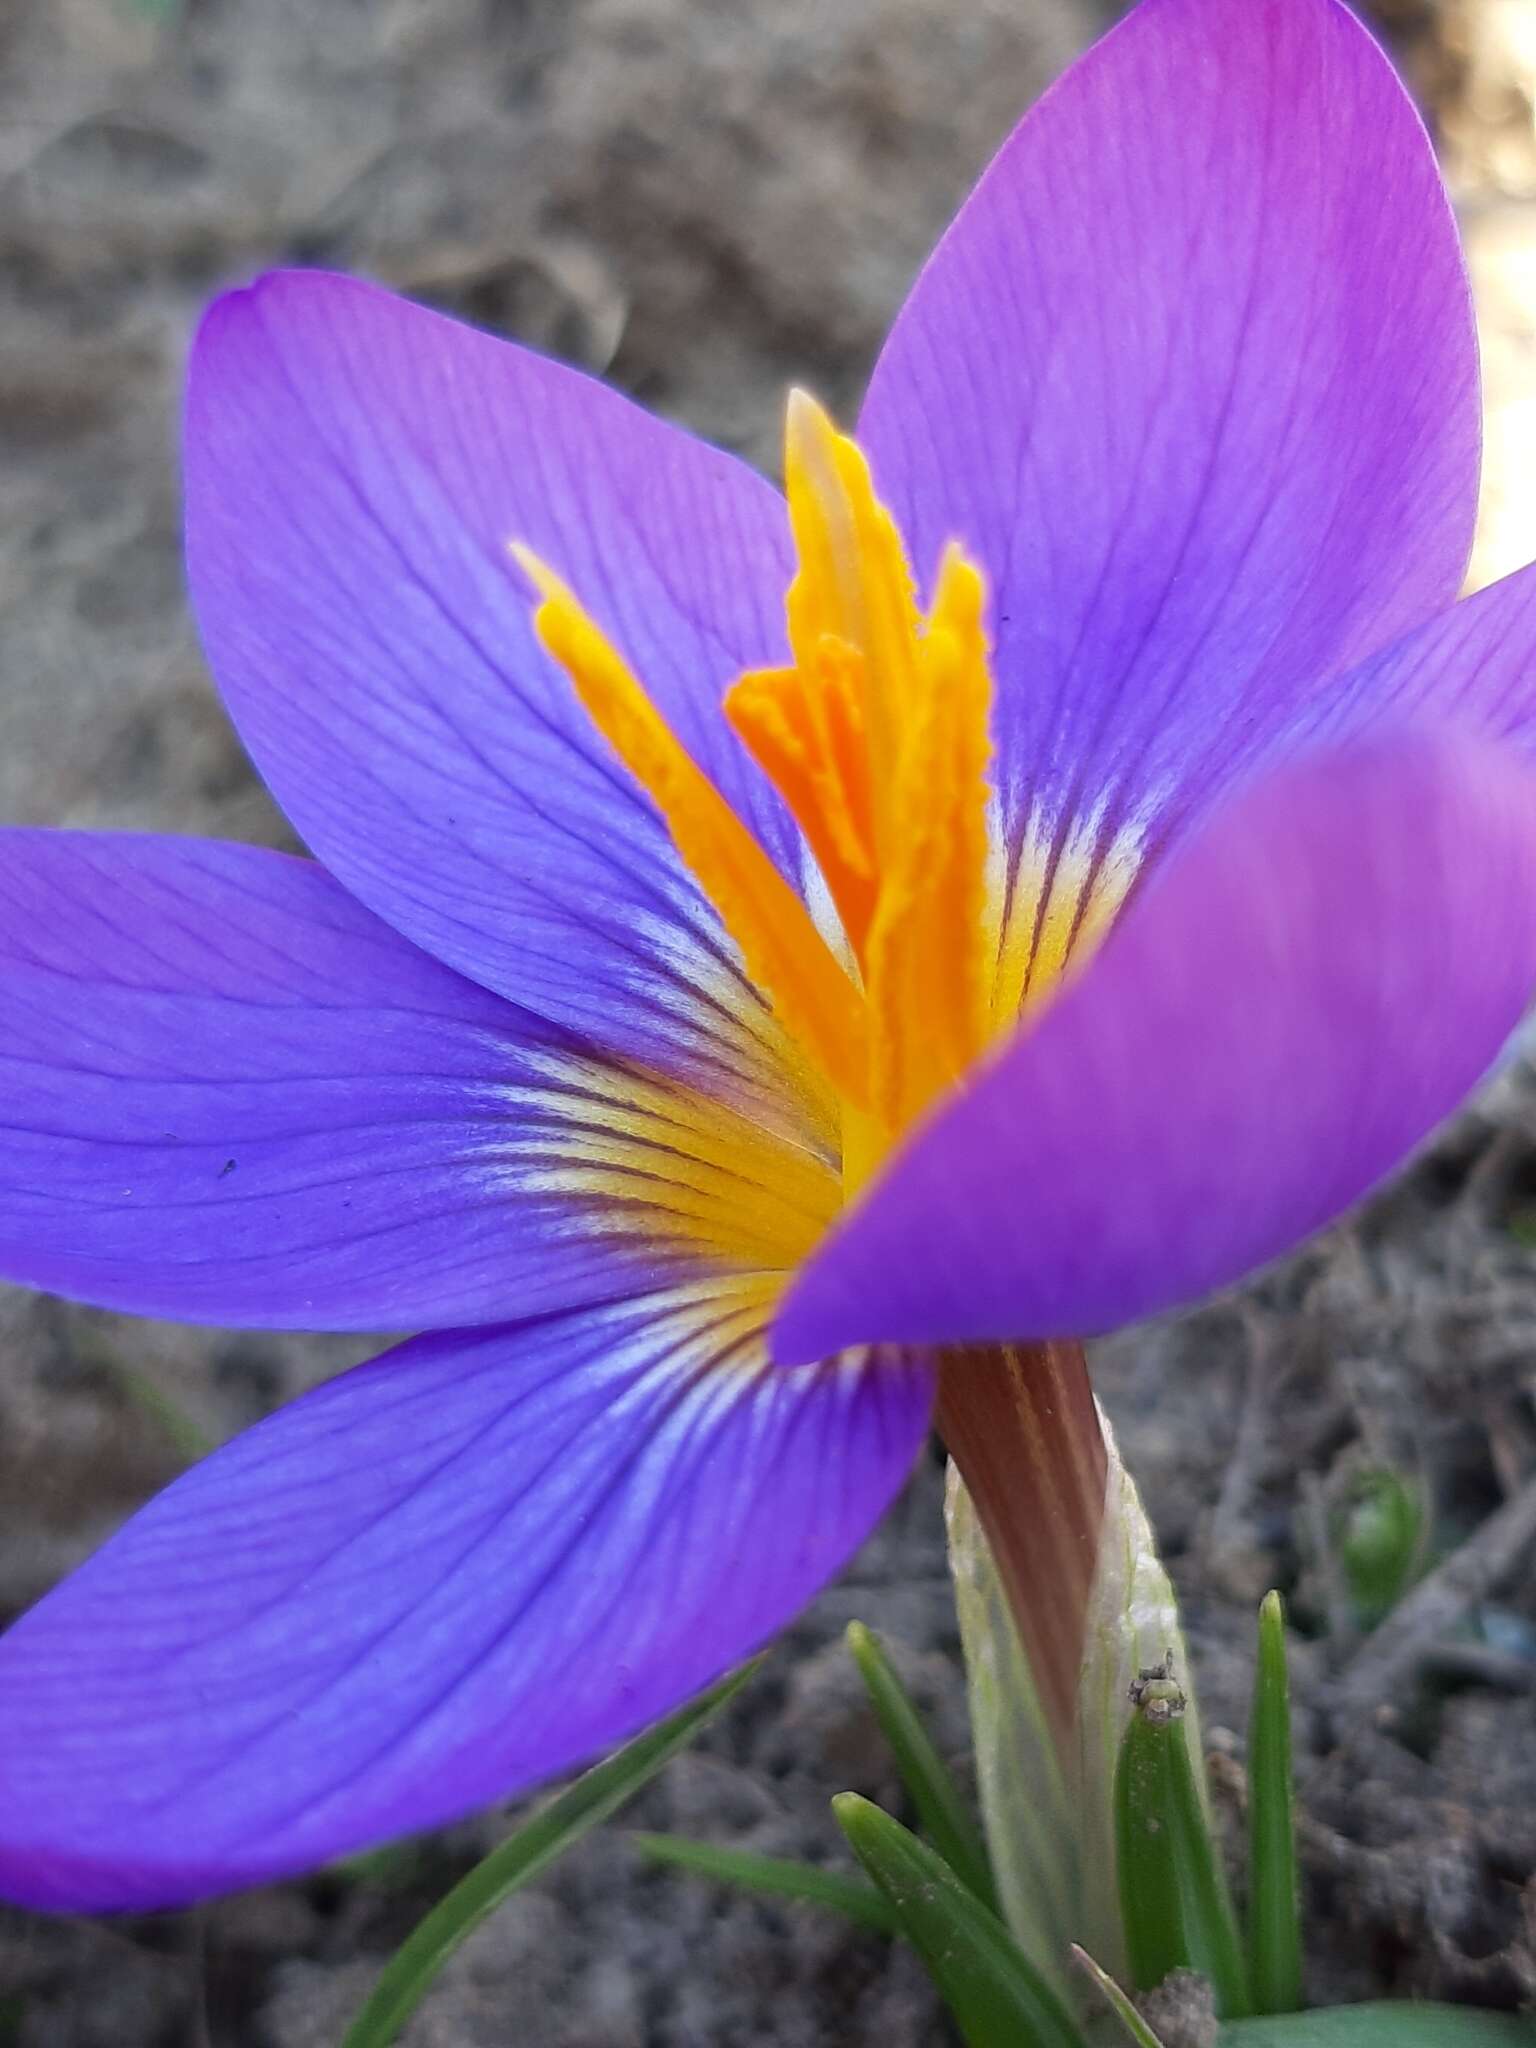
705, 204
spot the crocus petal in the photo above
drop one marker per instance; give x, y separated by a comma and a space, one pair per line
229, 1093
1193, 374
1475, 663
1293, 1003
355, 470
445, 1576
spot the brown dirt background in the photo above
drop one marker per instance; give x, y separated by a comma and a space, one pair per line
706, 202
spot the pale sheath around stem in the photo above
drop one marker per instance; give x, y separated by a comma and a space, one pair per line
1057, 1616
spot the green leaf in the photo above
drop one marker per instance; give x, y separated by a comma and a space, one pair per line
940, 1806
779, 1877
1384, 2025
1173, 1897
1116, 2000
1274, 1918
1151, 1906
1380, 1533
592, 1798
997, 1997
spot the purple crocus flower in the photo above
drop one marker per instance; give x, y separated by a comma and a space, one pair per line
642, 1043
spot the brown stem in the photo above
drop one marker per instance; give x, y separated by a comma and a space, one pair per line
1020, 1423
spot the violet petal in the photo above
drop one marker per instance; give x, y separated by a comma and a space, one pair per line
230, 1094
428, 1585
355, 469
1295, 1001
1194, 375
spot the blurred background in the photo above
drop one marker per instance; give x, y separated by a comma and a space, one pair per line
705, 201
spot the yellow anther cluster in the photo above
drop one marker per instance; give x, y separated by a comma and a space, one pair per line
877, 738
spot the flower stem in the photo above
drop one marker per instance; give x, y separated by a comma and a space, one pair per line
1021, 1424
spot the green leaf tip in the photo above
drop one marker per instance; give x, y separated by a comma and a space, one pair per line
1274, 1911
1116, 1999
997, 1997
941, 1808
1173, 1895
774, 1876
1380, 1530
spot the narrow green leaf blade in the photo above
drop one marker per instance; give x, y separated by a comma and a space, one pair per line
581, 1806
777, 1876
940, 1806
1173, 1896
1116, 2000
997, 1997
1151, 1906
1383, 2025
1274, 1915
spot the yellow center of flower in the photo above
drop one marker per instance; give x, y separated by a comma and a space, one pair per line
877, 739
877, 736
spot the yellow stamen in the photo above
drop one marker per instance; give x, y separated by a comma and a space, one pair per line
805, 730
878, 742
877, 736
926, 975
782, 948
854, 587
